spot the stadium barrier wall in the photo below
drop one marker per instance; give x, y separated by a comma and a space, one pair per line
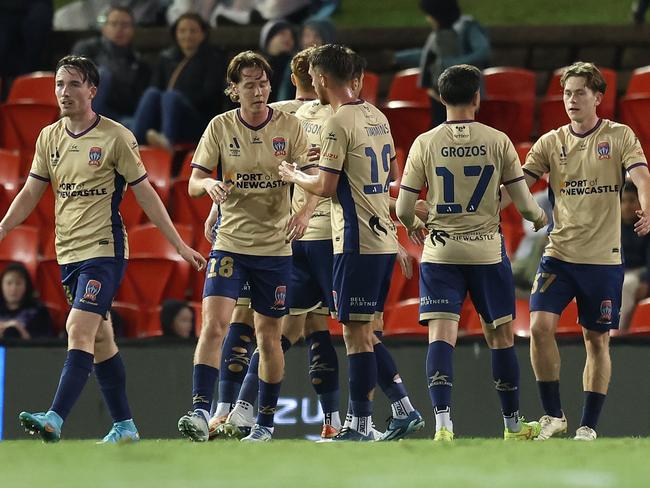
160, 382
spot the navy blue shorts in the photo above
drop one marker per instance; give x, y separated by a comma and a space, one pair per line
311, 277
360, 285
90, 285
227, 273
597, 289
443, 288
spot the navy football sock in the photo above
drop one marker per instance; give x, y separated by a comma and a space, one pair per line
324, 369
76, 370
505, 372
440, 374
268, 401
363, 379
250, 386
203, 379
388, 377
111, 377
235, 358
549, 392
591, 409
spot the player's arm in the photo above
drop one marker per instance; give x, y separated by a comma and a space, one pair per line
210, 221
522, 198
23, 204
150, 202
641, 178
322, 184
506, 198
201, 183
299, 221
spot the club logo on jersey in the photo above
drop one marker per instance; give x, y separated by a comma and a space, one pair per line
235, 148
603, 150
94, 156
74, 148
563, 155
605, 312
92, 290
280, 146
55, 157
280, 297
375, 226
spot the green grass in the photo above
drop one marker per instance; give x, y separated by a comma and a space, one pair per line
466, 463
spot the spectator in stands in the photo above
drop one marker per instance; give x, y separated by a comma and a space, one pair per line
25, 26
21, 315
639, 9
637, 256
177, 319
85, 14
187, 88
204, 8
455, 39
277, 42
124, 74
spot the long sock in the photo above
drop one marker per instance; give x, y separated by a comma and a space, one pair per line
250, 386
111, 377
549, 392
203, 379
592, 407
76, 370
390, 382
324, 374
363, 379
440, 377
505, 372
235, 359
268, 401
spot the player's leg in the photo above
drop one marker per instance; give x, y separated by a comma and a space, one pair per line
224, 276
553, 289
111, 376
599, 304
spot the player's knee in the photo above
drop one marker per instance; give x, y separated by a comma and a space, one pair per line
213, 329
541, 329
596, 343
358, 338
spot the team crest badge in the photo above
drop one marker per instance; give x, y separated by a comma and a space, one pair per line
92, 290
94, 156
603, 150
280, 146
280, 297
605, 312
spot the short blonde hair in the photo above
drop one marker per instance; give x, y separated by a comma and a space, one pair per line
300, 68
593, 77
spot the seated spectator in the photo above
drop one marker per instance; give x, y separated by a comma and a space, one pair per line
21, 315
455, 39
177, 319
204, 8
278, 43
636, 251
124, 74
186, 88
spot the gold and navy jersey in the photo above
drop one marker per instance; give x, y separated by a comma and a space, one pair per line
289, 106
586, 174
255, 215
356, 144
312, 116
463, 164
89, 172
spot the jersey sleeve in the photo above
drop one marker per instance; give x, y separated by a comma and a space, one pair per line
537, 161
334, 146
512, 171
207, 154
414, 177
631, 151
300, 149
40, 169
128, 163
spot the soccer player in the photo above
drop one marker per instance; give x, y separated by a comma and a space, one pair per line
356, 165
245, 145
463, 163
89, 160
586, 160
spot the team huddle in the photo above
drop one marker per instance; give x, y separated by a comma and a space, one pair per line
301, 229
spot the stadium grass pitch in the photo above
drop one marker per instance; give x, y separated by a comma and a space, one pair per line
465, 463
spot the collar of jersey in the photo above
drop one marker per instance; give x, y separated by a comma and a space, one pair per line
84, 132
356, 102
252, 127
468, 121
589, 132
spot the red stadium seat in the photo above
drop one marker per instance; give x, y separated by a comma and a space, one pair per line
521, 324
370, 88
639, 82
186, 169
634, 112
197, 278
58, 314
509, 101
335, 327
130, 210
469, 324
407, 121
23, 121
402, 319
188, 210
38, 86
158, 163
640, 323
568, 324
404, 87
10, 177
21, 245
48, 284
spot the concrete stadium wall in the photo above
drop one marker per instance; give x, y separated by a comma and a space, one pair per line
160, 381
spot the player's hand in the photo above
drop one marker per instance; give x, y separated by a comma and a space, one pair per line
219, 191
405, 262
313, 154
541, 222
418, 236
288, 171
642, 226
422, 210
297, 226
207, 230
191, 256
